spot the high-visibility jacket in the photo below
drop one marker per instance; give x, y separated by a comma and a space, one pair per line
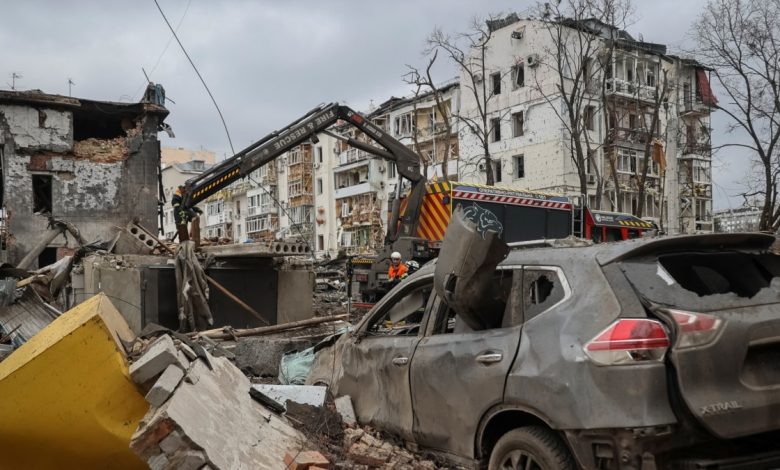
397, 272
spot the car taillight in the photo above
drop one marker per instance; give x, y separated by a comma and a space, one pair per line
694, 329
629, 341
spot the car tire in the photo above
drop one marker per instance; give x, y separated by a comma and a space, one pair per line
531, 447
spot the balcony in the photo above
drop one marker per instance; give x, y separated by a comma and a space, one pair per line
694, 149
617, 87
353, 155
625, 134
353, 190
691, 106
424, 133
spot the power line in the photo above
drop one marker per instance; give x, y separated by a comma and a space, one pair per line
159, 58
219, 111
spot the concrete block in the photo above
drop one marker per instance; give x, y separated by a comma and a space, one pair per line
261, 356
158, 462
304, 460
165, 385
345, 409
188, 460
171, 444
158, 356
304, 394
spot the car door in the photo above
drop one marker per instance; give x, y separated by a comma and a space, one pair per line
375, 364
457, 374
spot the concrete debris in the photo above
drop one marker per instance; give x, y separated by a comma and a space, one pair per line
261, 356
210, 419
345, 410
160, 354
165, 385
303, 394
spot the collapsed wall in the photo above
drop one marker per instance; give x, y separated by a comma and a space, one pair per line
93, 164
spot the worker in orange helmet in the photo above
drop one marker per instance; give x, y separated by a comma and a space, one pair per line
397, 269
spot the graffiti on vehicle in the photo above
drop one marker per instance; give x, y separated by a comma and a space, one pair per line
484, 219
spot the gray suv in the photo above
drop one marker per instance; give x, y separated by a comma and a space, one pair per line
644, 354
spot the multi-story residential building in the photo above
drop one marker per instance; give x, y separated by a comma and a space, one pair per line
743, 219
530, 146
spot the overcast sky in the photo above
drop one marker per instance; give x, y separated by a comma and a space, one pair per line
267, 62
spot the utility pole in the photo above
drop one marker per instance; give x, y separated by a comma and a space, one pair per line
70, 86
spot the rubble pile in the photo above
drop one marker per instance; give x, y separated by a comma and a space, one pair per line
201, 414
331, 429
330, 289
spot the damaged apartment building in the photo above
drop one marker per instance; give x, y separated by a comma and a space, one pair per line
92, 164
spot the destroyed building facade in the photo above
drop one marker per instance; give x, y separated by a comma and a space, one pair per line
89, 163
531, 148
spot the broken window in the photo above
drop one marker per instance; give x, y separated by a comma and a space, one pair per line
518, 123
495, 308
497, 171
320, 242
403, 315
42, 194
542, 289
588, 116
519, 76
495, 125
319, 185
519, 166
495, 80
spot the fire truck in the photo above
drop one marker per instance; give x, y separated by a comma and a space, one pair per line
518, 215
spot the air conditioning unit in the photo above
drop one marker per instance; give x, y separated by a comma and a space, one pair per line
381, 168
481, 167
532, 60
591, 179
477, 78
316, 166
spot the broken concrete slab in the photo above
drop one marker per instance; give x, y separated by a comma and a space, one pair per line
165, 385
217, 416
313, 395
345, 410
158, 356
261, 356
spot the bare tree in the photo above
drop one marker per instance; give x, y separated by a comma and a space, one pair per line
469, 51
740, 40
580, 32
420, 81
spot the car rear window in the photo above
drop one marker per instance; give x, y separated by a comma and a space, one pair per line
707, 280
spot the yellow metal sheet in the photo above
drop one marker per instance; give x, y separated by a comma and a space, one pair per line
66, 397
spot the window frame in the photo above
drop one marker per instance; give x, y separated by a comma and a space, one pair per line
518, 124
515, 159
495, 83
567, 292
514, 308
388, 302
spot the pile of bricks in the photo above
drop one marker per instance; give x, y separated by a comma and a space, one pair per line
201, 415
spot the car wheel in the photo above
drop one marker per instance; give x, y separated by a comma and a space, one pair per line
530, 448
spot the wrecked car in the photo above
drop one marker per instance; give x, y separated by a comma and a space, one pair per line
644, 354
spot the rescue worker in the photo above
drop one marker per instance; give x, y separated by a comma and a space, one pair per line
397, 269
180, 214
